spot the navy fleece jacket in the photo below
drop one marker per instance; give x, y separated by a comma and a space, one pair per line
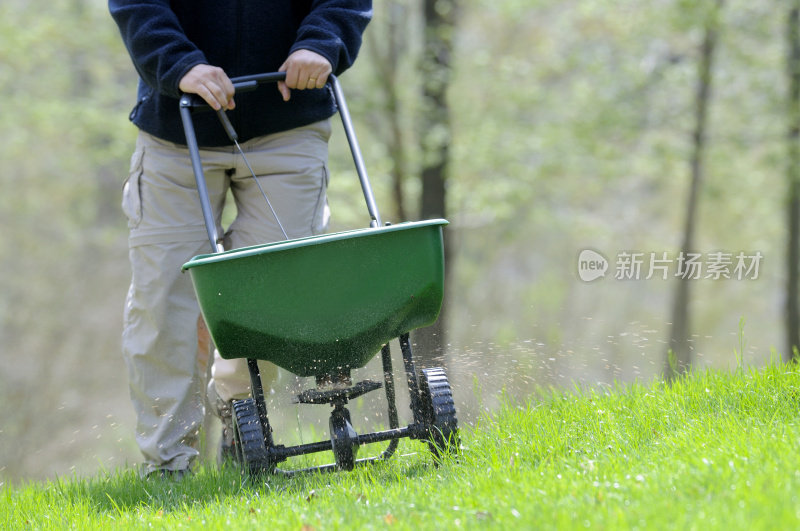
166, 39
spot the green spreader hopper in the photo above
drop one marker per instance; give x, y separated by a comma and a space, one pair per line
325, 303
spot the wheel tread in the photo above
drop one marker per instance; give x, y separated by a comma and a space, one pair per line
254, 454
441, 411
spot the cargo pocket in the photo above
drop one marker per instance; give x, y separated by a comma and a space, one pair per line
131, 196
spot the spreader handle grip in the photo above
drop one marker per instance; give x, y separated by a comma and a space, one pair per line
240, 84
246, 82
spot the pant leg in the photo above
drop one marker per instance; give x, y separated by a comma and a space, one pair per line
292, 169
160, 321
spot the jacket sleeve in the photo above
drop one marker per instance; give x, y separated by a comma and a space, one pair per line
333, 29
158, 46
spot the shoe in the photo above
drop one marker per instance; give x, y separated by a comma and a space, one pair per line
165, 473
224, 411
227, 443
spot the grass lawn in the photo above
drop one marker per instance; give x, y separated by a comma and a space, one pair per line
713, 451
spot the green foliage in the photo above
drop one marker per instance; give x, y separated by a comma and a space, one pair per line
712, 451
67, 86
572, 126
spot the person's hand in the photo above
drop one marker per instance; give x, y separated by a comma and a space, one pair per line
210, 83
304, 70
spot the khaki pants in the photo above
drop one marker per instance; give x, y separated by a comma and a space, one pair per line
160, 338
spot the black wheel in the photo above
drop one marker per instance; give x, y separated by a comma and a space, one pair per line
439, 411
343, 437
251, 450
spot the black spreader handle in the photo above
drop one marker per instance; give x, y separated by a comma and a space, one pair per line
190, 102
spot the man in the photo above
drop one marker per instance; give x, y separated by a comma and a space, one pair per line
196, 46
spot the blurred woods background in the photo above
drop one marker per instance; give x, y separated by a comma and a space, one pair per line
539, 128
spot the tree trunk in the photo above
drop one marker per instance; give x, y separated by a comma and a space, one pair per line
440, 22
439, 17
679, 354
793, 175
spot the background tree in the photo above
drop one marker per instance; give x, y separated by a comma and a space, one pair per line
679, 357
436, 139
388, 49
793, 177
